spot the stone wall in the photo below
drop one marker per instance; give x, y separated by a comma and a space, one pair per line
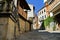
3, 28
22, 25
27, 28
10, 31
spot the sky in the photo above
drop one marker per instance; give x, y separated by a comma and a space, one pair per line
38, 4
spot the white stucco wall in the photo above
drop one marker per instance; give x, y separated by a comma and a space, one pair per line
40, 16
30, 13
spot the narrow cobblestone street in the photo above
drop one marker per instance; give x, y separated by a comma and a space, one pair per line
35, 35
29, 19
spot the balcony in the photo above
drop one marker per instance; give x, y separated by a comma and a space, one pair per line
5, 7
1, 6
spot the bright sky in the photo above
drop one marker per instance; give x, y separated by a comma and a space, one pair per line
37, 3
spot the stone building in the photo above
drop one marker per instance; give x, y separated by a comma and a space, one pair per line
13, 19
7, 20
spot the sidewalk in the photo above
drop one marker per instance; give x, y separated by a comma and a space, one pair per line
49, 31
54, 31
42, 31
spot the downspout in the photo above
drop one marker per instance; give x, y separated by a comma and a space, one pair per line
17, 20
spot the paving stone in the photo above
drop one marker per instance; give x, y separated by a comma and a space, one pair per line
35, 35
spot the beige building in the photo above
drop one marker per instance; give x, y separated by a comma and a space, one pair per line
53, 9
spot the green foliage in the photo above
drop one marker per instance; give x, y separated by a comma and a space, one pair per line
48, 20
54, 28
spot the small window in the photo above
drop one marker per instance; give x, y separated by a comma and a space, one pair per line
42, 17
26, 11
45, 16
40, 13
44, 10
1, 6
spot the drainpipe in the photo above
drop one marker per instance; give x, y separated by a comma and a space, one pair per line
17, 20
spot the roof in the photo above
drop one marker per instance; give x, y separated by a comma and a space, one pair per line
24, 4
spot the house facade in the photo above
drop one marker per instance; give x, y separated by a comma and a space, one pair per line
30, 14
42, 15
53, 8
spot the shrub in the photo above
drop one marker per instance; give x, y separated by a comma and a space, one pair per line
48, 20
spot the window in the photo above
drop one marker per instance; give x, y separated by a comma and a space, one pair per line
44, 10
25, 11
1, 6
45, 16
42, 17
40, 13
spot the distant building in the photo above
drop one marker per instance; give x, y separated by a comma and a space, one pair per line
35, 22
31, 12
42, 15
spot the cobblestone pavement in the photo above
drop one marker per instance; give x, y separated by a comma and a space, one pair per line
35, 35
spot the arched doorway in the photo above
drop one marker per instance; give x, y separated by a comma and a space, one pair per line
42, 27
57, 19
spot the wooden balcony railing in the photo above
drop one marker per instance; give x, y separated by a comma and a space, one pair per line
6, 7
